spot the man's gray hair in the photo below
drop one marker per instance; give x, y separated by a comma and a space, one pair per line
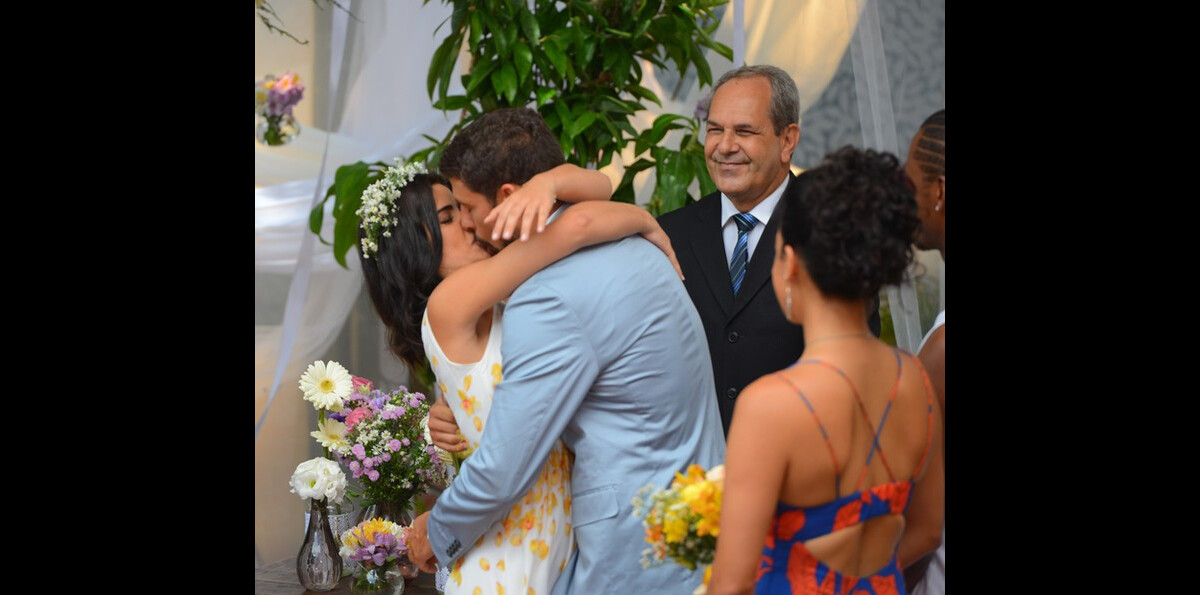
785, 98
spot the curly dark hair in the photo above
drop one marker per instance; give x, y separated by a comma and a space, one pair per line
854, 222
504, 146
403, 273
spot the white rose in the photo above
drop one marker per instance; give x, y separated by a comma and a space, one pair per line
319, 478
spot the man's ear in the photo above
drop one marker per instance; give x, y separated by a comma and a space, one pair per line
505, 190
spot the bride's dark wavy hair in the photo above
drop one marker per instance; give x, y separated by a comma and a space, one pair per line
854, 223
402, 274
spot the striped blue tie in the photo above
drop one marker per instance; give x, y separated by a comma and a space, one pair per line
737, 266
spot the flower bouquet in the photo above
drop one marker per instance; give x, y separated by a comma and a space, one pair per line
683, 520
378, 546
273, 102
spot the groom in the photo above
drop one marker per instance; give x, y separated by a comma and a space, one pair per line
602, 348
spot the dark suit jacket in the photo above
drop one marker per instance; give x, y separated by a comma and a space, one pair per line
748, 336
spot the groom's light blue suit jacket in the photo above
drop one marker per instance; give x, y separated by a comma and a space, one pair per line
605, 349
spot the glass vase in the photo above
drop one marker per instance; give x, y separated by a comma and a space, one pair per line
385, 580
276, 130
319, 565
399, 512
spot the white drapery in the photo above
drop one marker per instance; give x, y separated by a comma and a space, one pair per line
382, 111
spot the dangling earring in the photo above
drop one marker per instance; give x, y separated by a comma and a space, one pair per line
938, 206
787, 292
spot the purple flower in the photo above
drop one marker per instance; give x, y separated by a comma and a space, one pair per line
368, 462
373, 474
405, 442
387, 456
413, 402
338, 416
394, 445
378, 402
359, 451
355, 467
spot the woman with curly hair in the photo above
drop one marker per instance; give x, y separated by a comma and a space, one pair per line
823, 455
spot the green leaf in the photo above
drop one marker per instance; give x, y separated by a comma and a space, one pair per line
530, 26
497, 33
349, 182
476, 31
643, 93
479, 74
703, 72
345, 234
453, 43
564, 113
316, 217
589, 51
523, 59
545, 94
505, 81
556, 55
581, 124
453, 102
662, 124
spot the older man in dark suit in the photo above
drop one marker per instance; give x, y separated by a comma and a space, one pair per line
725, 240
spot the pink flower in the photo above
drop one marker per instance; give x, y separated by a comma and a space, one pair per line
361, 385
368, 462
359, 451
355, 467
394, 445
356, 416
387, 456
373, 474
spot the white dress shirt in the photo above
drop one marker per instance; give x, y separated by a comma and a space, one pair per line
761, 211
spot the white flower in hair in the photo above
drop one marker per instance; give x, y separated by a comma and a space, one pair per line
376, 215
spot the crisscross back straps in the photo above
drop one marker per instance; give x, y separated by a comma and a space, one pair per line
837, 467
862, 408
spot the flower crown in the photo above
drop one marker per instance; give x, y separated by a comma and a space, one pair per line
379, 204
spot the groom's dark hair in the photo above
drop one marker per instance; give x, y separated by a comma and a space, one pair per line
503, 146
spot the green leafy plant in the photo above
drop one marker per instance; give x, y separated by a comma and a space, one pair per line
579, 63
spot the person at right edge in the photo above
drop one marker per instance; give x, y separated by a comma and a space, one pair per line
753, 126
926, 168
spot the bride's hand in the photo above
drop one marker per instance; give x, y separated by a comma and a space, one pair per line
443, 429
528, 207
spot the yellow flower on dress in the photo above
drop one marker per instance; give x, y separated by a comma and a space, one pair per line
528, 521
496, 375
478, 424
516, 538
540, 548
568, 530
567, 505
478, 591
468, 402
499, 589
456, 573
434, 358
467, 382
483, 563
499, 538
500, 564
553, 526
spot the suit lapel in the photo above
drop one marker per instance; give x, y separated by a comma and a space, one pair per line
709, 247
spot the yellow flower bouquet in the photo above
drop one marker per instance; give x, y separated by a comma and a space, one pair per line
683, 520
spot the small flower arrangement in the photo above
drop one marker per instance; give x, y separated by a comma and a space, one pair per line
274, 99
384, 446
377, 545
683, 520
380, 437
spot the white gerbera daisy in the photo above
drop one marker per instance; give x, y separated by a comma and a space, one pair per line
326, 385
331, 433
